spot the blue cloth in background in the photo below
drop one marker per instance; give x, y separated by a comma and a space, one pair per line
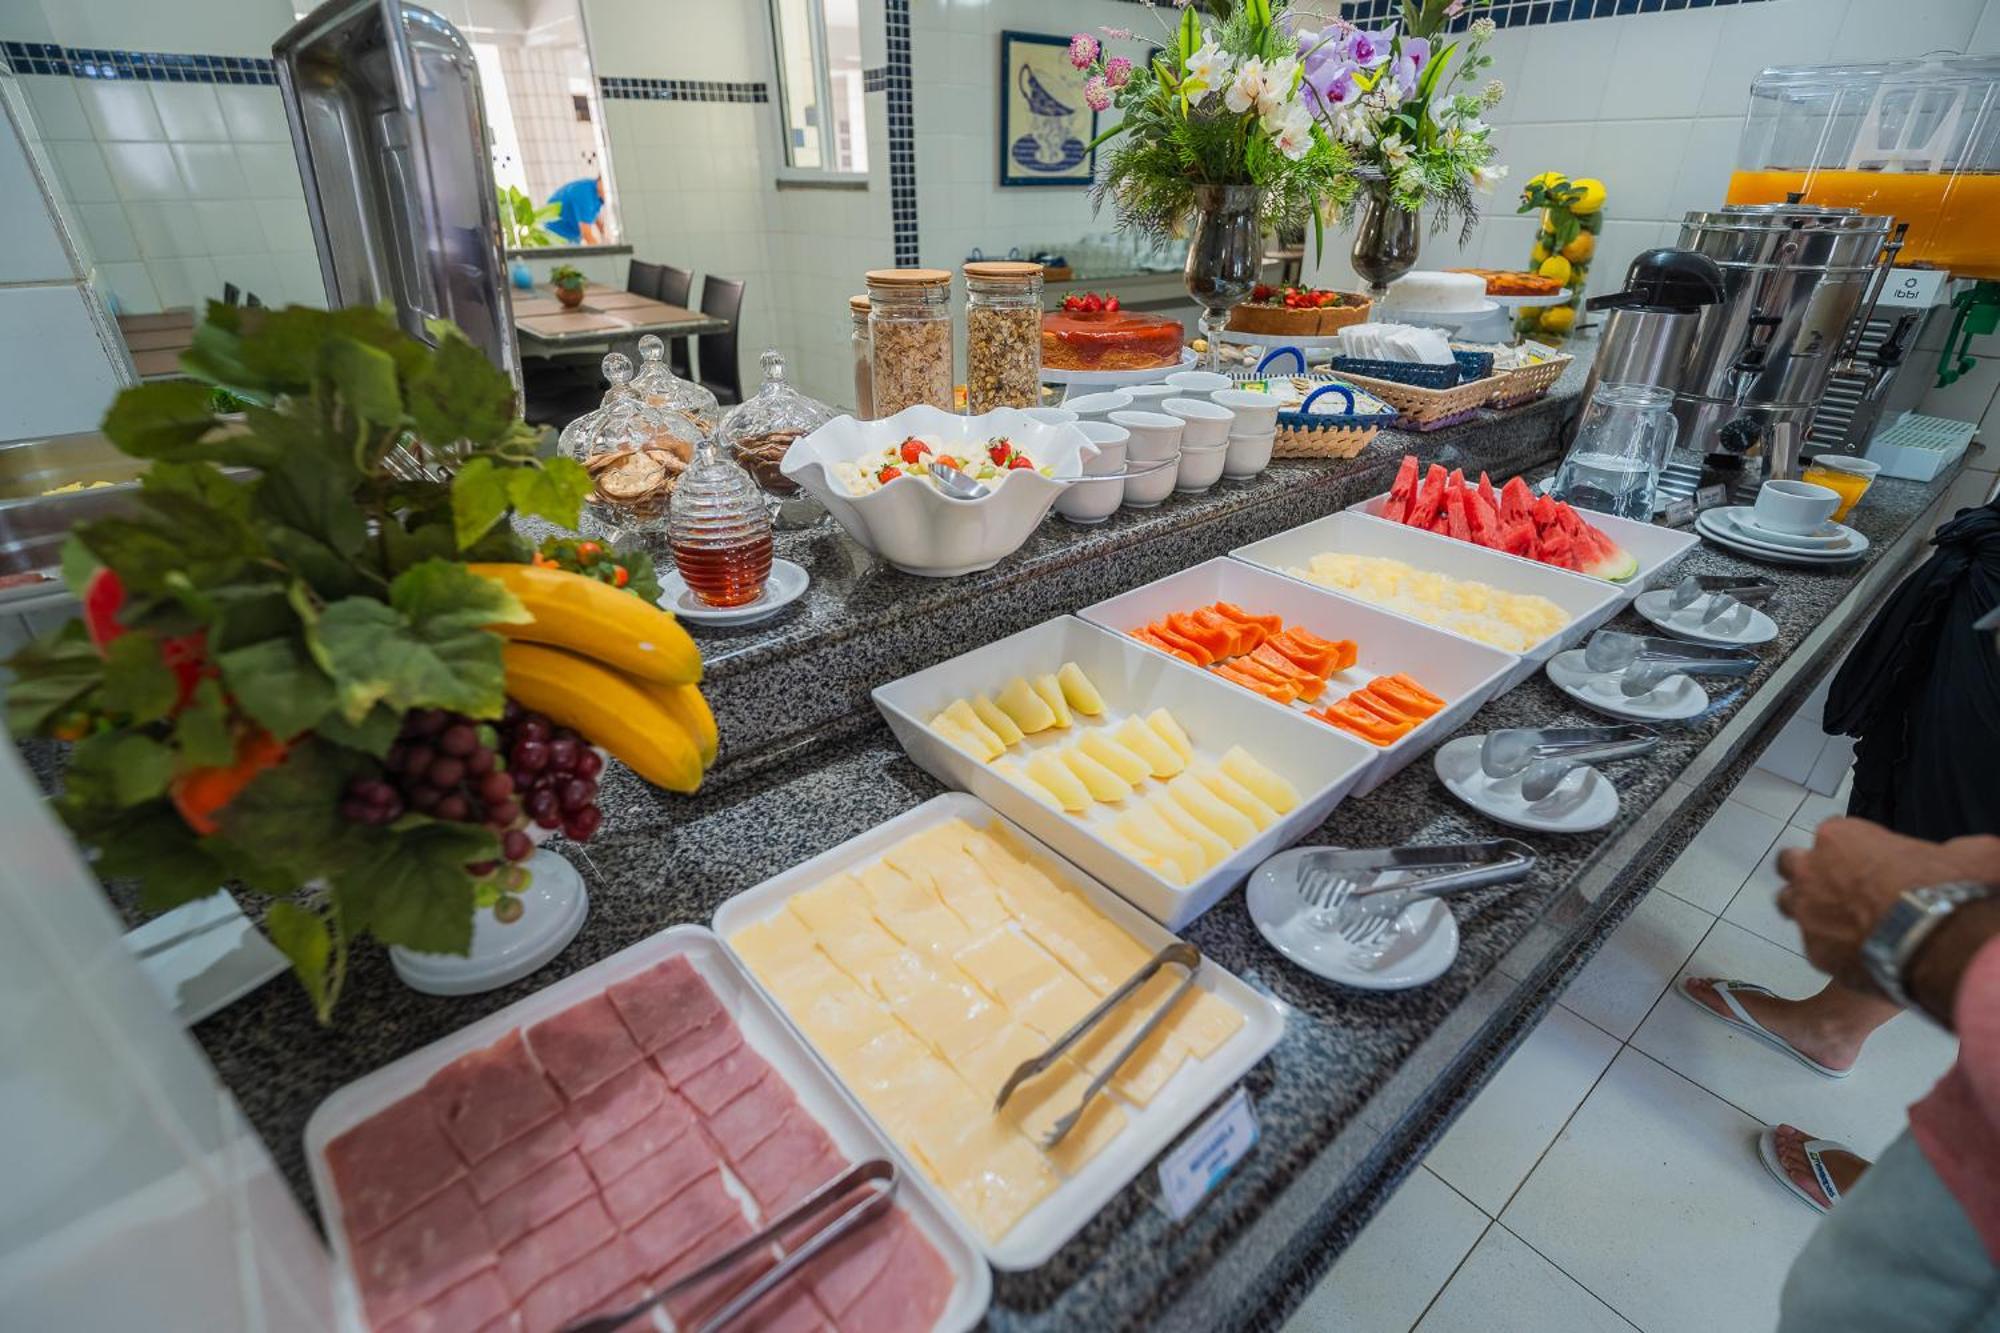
580, 204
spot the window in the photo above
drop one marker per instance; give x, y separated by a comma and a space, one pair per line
823, 120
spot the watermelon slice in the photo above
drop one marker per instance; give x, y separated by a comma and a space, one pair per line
1441, 524
1454, 508
1487, 493
1544, 514
1515, 500
1603, 558
1517, 537
1429, 503
1557, 547
1482, 516
1403, 491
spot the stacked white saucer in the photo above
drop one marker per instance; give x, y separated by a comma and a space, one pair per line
1791, 523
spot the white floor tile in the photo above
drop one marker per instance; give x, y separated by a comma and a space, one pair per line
1397, 1264
1765, 791
1864, 1110
1653, 1200
1504, 1284
1816, 808
1713, 867
1632, 969
1755, 907
1491, 1148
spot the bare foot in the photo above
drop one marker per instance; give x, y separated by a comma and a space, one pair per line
1844, 1167
1836, 1046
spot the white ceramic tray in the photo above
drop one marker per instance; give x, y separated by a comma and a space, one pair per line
1049, 1226
1464, 673
1112, 379
1589, 602
763, 1028
1654, 546
1316, 759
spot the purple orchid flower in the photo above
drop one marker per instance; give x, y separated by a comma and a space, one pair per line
1330, 82
1369, 49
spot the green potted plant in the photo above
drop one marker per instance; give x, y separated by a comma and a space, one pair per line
523, 226
567, 279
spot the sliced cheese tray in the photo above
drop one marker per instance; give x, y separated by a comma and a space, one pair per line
925, 959
1167, 785
503, 1169
1532, 611
1398, 685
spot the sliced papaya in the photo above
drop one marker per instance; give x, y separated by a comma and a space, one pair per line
1243, 638
1435, 700
1152, 640
1283, 694
1371, 702
1351, 717
1321, 659
1200, 652
1309, 686
1273, 622
1220, 642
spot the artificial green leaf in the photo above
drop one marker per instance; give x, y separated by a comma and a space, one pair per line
444, 598
374, 734
479, 499
366, 378
280, 349
78, 565
202, 729
195, 488
423, 541
316, 498
643, 581
159, 420
460, 395
1189, 40
553, 490
330, 574
50, 677
301, 935
118, 768
428, 648
137, 681
152, 844
278, 685
287, 819
415, 891
247, 614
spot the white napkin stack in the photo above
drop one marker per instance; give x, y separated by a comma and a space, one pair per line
1396, 342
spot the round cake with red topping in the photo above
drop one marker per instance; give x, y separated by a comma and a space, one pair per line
1297, 312
1092, 332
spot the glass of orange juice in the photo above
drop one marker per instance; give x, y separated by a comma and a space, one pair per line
1849, 477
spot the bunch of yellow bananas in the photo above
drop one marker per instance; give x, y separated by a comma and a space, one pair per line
620, 671
1572, 215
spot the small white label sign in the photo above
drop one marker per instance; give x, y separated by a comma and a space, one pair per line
1205, 1156
1913, 288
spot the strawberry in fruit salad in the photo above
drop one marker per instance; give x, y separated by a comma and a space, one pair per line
916, 455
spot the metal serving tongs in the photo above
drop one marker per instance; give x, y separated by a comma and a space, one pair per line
1544, 756
1729, 599
1645, 661
872, 1182
1180, 951
1342, 884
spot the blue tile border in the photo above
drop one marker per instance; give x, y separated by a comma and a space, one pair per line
902, 131
144, 66
682, 90
1532, 13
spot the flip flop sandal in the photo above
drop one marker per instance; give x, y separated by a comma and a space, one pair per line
1739, 1018
1767, 1152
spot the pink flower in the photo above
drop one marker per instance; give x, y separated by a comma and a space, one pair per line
1096, 93
1123, 34
1117, 70
1083, 50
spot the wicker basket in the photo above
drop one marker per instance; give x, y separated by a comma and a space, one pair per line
1427, 409
1301, 435
1525, 384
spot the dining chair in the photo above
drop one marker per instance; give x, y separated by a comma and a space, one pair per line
716, 352
643, 279
674, 290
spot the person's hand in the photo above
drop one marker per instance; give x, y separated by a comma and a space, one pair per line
1839, 889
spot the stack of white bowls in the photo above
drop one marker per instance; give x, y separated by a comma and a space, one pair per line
1151, 437
1251, 434
1204, 441
1098, 406
1095, 501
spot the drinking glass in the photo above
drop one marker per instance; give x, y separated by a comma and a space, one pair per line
1623, 439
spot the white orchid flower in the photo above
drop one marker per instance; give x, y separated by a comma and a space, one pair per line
1395, 150
1277, 95
1247, 88
1207, 69
1486, 177
1294, 137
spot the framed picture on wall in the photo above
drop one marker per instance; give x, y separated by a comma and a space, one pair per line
1045, 125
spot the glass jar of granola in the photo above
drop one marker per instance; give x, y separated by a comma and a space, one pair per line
909, 338
1003, 335
864, 372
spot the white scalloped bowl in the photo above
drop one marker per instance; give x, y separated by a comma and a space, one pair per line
910, 522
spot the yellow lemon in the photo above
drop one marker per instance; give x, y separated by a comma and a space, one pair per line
1590, 196
1581, 249
1546, 178
1555, 266
1559, 318
1538, 254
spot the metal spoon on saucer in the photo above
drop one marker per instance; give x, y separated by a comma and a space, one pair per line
1545, 756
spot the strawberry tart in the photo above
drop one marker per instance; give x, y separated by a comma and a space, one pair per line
1297, 312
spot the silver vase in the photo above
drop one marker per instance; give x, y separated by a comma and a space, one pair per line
1223, 257
1385, 243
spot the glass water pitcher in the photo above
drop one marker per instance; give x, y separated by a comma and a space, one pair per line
1622, 441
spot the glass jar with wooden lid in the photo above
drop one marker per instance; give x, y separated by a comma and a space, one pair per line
1003, 335
864, 373
909, 338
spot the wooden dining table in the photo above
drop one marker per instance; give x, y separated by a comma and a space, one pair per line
607, 315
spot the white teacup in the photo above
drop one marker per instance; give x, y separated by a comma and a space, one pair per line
1053, 416
1198, 383
1796, 507
1095, 501
1155, 436
1207, 424
1148, 397
1256, 412
1098, 406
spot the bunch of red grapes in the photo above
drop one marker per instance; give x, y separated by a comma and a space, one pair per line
504, 775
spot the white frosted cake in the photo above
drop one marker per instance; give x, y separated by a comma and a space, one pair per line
1434, 293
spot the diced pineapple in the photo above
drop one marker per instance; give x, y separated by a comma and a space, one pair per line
1114, 756
1145, 827
1162, 721
1229, 824
1052, 695
1020, 702
962, 716
963, 739
1012, 772
1163, 759
1269, 787
996, 720
1214, 850
1049, 770
1235, 793
1099, 781
1078, 690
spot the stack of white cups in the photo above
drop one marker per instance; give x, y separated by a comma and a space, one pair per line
1251, 434
1095, 501
1151, 437
1204, 442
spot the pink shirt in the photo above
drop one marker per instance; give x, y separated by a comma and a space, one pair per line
1958, 1124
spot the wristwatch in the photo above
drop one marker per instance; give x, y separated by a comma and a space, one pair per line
1906, 925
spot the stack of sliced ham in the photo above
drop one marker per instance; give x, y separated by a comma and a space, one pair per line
572, 1167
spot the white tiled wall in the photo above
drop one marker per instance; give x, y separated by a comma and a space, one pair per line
556, 147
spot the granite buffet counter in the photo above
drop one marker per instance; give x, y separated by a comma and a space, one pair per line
1361, 1083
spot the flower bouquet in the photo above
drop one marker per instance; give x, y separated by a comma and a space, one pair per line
316, 660
1565, 243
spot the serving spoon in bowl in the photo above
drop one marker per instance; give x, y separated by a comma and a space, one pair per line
958, 486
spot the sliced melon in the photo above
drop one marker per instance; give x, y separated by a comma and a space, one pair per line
962, 715
1142, 740
1153, 861
1162, 721
1269, 788
1235, 793
1099, 781
1020, 702
996, 720
1052, 695
963, 739
1011, 771
1146, 828
1078, 690
1049, 770
1228, 822
1214, 850
1114, 756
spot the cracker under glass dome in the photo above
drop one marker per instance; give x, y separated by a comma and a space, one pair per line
635, 453
662, 389
759, 430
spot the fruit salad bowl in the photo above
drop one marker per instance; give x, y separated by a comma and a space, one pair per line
870, 476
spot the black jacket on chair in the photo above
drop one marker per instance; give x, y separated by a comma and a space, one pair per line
1921, 691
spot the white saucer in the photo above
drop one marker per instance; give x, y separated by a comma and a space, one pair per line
1676, 699
1742, 520
1657, 607
1531, 302
554, 907
1586, 800
1423, 956
1730, 538
786, 583
1111, 379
